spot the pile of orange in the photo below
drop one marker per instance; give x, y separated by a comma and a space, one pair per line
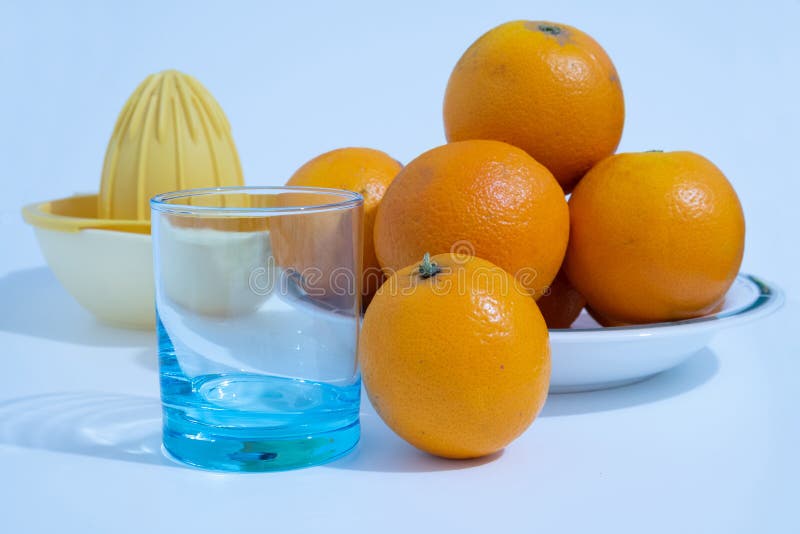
454, 349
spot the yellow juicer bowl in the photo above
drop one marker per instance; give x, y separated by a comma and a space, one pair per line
170, 135
106, 265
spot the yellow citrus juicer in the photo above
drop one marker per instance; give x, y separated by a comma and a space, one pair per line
171, 135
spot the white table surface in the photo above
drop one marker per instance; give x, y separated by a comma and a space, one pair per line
710, 446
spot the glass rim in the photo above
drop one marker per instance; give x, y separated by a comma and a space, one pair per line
162, 202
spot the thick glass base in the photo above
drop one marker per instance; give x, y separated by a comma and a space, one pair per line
219, 449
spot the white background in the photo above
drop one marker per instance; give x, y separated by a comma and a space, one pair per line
710, 446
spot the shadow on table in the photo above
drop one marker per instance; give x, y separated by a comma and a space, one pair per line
36, 305
147, 359
691, 374
116, 427
383, 451
128, 428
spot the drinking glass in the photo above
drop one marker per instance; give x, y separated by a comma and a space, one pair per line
258, 307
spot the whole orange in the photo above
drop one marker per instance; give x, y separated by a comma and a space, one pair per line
560, 303
455, 356
545, 87
655, 236
363, 170
483, 198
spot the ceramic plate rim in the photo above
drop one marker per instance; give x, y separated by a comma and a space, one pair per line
769, 299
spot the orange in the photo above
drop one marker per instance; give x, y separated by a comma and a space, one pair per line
560, 303
455, 356
655, 236
545, 87
363, 170
483, 198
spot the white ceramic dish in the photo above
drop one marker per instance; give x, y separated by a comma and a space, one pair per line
588, 357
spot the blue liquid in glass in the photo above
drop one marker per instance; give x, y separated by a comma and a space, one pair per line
244, 421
